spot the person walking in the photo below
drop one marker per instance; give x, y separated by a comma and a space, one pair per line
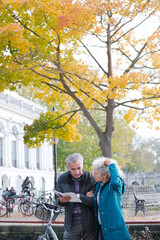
109, 221
79, 216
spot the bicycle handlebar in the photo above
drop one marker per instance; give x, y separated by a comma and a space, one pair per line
46, 211
48, 206
51, 207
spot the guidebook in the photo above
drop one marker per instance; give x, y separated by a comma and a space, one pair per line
74, 197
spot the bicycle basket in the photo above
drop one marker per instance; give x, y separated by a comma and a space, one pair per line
44, 214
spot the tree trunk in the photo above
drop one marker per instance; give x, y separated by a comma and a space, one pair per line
106, 139
105, 143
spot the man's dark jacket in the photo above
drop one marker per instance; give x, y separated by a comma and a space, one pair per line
87, 183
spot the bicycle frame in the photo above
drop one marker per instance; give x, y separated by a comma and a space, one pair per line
49, 230
9, 201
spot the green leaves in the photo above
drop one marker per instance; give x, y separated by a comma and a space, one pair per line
49, 125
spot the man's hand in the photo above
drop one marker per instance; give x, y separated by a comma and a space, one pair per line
64, 199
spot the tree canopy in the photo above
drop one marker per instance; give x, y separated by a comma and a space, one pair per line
42, 46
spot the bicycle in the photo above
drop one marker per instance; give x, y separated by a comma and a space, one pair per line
30, 193
47, 212
24, 205
46, 197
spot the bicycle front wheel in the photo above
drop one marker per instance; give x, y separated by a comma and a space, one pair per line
3, 208
25, 207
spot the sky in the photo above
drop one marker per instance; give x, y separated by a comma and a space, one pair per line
146, 132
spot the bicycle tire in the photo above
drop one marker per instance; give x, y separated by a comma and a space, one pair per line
26, 208
3, 209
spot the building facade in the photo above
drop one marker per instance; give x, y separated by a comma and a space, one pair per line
17, 160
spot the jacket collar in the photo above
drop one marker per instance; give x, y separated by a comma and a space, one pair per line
70, 177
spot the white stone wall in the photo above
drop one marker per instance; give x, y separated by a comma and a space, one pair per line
142, 178
15, 112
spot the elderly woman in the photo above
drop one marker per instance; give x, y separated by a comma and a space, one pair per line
110, 224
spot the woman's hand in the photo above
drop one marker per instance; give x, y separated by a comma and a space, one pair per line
108, 161
90, 194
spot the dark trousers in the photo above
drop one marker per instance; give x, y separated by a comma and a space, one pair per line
100, 234
77, 233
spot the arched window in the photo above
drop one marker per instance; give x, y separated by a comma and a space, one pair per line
5, 181
42, 184
1, 145
14, 146
1, 151
32, 181
1, 128
38, 165
26, 156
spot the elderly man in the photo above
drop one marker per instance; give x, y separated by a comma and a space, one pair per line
79, 216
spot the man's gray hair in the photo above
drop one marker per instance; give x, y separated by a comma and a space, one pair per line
74, 158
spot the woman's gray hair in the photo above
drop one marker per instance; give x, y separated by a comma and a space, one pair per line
74, 158
98, 164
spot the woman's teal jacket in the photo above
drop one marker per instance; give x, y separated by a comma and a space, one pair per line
112, 221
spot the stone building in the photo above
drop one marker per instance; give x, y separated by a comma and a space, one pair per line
16, 160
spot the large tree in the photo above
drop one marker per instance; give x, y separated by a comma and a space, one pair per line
42, 46
122, 147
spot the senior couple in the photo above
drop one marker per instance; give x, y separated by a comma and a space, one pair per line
99, 215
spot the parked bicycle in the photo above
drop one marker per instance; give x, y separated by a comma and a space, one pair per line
46, 197
48, 212
9, 203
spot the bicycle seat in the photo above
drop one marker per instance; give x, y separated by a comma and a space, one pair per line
16, 196
11, 197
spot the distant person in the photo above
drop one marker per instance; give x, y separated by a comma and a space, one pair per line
79, 217
27, 186
9, 193
5, 193
109, 221
12, 192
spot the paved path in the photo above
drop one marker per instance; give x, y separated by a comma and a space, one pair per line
149, 216
128, 216
17, 217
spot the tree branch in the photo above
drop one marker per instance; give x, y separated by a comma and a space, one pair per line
25, 26
94, 59
85, 93
137, 100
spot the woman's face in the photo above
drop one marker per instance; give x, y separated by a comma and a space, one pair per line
98, 176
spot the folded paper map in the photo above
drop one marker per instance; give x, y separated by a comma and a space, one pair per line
74, 197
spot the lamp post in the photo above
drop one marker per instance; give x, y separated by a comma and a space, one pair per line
55, 162
55, 141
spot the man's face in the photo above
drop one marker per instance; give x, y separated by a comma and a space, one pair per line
76, 168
